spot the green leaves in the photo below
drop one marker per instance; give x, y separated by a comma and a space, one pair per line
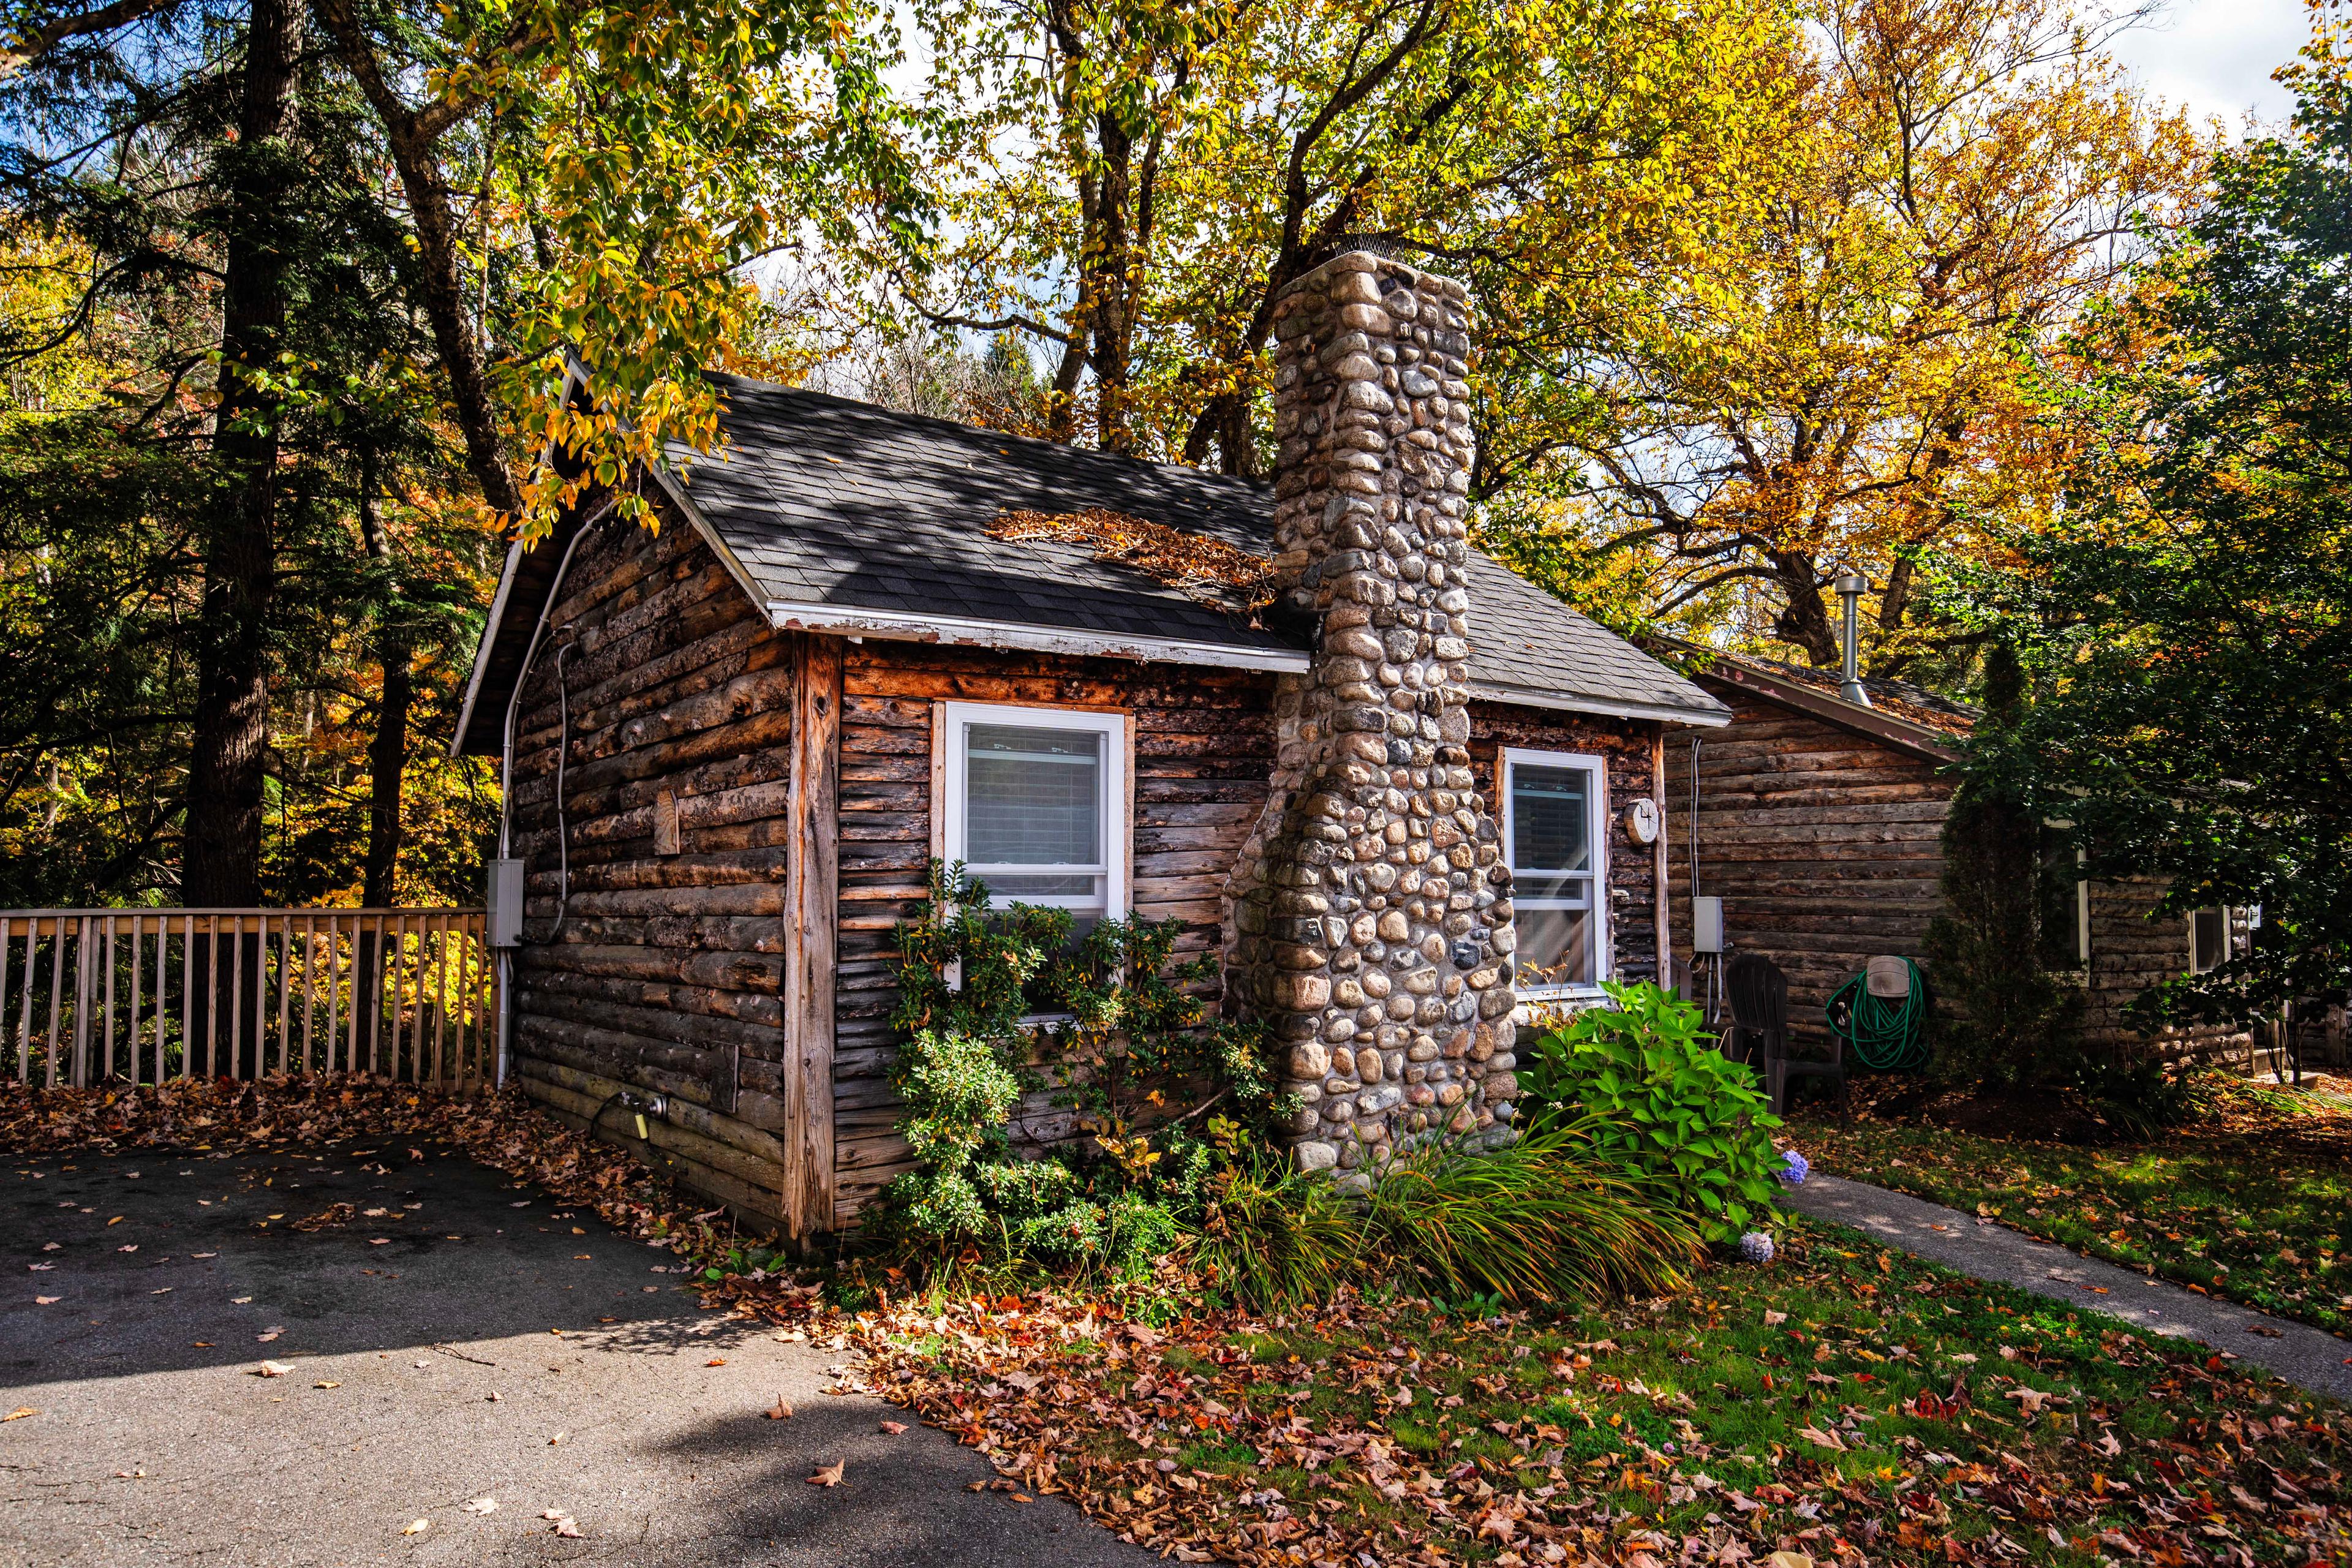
1651, 1091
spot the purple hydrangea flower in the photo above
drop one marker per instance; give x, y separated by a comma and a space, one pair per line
1756, 1247
1794, 1168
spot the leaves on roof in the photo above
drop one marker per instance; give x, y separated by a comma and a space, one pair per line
1206, 569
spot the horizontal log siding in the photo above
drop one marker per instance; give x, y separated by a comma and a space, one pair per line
1204, 748
1626, 746
2133, 950
665, 974
1823, 845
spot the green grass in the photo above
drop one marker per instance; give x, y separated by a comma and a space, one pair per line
1843, 1395
2253, 1202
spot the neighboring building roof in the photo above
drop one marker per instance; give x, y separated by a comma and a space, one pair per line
851, 517
1900, 713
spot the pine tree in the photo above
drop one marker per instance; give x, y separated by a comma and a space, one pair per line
2005, 1019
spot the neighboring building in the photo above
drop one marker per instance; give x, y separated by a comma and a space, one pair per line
862, 640
1820, 825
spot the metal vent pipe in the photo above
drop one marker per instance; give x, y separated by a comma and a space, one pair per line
1851, 587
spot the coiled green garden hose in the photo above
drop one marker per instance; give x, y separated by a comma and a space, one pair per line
1886, 1035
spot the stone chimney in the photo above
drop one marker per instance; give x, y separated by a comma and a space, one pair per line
1372, 915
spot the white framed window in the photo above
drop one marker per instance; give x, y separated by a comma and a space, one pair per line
2211, 937
1035, 802
1555, 804
2065, 901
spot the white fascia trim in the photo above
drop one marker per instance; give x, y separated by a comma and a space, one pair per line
1519, 697
482, 648
787, 615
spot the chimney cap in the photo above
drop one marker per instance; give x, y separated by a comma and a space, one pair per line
1387, 246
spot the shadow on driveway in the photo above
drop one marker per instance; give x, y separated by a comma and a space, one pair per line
479, 1340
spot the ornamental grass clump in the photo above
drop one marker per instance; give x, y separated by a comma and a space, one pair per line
1549, 1218
1645, 1080
1273, 1237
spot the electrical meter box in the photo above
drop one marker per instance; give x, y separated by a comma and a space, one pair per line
504, 899
1707, 925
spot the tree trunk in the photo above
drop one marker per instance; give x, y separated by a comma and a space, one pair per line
1804, 619
221, 861
415, 141
388, 750
1107, 272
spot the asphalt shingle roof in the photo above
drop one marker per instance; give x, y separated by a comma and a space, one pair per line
850, 506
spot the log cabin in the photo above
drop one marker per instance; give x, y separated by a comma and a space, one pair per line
1818, 823
1398, 790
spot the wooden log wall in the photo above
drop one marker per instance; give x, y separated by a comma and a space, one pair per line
1822, 843
2133, 950
1203, 751
664, 973
1629, 749
1825, 847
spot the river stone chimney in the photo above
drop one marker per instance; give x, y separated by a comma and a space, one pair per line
1372, 915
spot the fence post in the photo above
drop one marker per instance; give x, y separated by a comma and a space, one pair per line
83, 980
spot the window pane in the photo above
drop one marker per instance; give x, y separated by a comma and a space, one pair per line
2209, 940
1014, 885
1032, 796
1554, 946
2060, 890
1572, 889
1550, 812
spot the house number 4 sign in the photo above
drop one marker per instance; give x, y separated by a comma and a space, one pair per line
1643, 820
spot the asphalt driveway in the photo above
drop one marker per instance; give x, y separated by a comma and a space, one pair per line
452, 1339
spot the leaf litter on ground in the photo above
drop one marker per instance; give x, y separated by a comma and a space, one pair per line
1643, 1434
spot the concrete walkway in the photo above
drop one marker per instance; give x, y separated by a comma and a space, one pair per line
457, 1338
2311, 1358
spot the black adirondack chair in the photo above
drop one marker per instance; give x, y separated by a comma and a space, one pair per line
1758, 995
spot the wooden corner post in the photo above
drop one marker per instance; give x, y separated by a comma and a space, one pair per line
1662, 864
812, 911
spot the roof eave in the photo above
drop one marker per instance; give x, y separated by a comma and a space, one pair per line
956, 631
1713, 716
1919, 740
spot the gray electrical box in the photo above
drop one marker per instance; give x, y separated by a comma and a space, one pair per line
1707, 925
504, 898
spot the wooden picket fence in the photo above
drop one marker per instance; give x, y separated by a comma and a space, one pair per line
134, 995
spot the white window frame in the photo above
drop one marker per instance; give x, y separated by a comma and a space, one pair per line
2082, 970
1115, 811
1596, 825
2229, 915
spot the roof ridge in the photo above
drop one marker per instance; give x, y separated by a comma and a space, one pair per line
939, 423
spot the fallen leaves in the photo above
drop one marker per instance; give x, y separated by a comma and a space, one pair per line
417, 1526
779, 1411
1208, 569
482, 1505
829, 1475
562, 1525
272, 1368
19, 1414
894, 1428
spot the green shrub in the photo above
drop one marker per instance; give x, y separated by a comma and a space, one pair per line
969, 972
1272, 1238
1549, 1218
1658, 1097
